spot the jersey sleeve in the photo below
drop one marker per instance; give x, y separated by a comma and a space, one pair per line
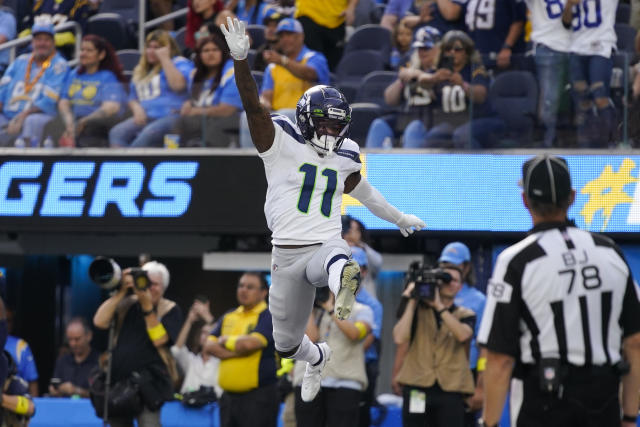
500, 328
8, 26
184, 66
264, 326
113, 90
518, 10
350, 151
27, 366
318, 62
364, 314
230, 94
283, 128
630, 317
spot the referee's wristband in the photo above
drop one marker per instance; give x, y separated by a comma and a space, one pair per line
629, 418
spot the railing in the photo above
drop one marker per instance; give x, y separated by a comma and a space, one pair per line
155, 22
69, 25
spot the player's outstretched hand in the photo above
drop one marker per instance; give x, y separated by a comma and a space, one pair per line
408, 223
237, 39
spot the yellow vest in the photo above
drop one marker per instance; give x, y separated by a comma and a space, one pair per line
287, 88
323, 12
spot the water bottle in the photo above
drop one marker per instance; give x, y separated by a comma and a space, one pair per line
387, 143
20, 143
48, 142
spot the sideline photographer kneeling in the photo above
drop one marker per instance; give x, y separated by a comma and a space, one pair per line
435, 373
146, 326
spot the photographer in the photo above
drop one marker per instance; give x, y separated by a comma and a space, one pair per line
435, 373
147, 324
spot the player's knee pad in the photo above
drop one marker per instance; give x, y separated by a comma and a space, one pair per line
333, 250
286, 354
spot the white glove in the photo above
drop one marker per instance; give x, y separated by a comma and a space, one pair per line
237, 39
407, 223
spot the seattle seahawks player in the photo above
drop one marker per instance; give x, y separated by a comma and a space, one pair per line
309, 165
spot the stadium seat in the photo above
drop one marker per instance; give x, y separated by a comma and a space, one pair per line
11, 4
362, 114
623, 13
514, 96
626, 37
373, 85
179, 36
256, 32
371, 37
129, 58
251, 57
258, 76
353, 67
112, 27
127, 9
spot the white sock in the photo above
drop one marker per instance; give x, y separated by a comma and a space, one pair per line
307, 351
335, 269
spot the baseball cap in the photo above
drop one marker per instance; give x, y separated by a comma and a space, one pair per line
359, 255
42, 24
455, 253
546, 179
291, 25
426, 37
272, 14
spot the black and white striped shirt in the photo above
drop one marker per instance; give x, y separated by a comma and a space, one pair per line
561, 293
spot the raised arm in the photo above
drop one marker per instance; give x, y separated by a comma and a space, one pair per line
258, 117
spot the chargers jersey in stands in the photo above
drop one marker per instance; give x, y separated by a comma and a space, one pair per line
546, 24
16, 93
304, 193
489, 21
561, 293
225, 93
593, 27
87, 92
155, 95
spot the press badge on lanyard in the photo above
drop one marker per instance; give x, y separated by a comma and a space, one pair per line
417, 402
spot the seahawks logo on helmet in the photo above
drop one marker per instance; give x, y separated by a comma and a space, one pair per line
324, 118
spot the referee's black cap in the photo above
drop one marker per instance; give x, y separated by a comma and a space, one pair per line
546, 179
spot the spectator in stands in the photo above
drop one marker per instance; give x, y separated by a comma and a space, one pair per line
17, 403
199, 13
93, 98
61, 11
199, 367
271, 20
459, 80
289, 74
324, 25
435, 373
148, 324
211, 115
402, 39
355, 233
250, 11
371, 342
157, 92
591, 66
30, 88
344, 376
7, 32
159, 8
497, 31
551, 46
412, 90
21, 354
458, 254
419, 13
73, 368
243, 341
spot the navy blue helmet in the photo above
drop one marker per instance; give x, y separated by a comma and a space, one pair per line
324, 118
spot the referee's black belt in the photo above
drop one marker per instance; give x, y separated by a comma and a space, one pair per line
572, 370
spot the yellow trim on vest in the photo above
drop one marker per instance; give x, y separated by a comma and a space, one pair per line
362, 329
22, 407
156, 332
230, 343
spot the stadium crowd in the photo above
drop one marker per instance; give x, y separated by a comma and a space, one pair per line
420, 74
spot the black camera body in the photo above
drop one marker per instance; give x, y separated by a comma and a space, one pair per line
107, 274
426, 280
140, 278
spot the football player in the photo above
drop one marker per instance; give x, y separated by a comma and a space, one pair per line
309, 165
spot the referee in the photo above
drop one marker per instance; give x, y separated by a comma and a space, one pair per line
562, 316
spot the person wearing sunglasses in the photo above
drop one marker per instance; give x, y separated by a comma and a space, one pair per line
463, 117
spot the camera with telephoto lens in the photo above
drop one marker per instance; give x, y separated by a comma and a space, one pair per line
107, 274
426, 280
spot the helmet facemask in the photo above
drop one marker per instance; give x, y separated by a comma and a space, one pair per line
329, 130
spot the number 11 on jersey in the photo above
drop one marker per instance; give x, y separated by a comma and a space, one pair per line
308, 185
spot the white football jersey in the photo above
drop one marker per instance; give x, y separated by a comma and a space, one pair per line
593, 27
546, 24
304, 194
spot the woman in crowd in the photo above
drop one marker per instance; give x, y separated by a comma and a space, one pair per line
212, 112
93, 98
411, 90
463, 117
199, 13
157, 92
250, 11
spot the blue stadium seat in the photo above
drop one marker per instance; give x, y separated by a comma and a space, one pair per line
251, 57
623, 13
373, 85
626, 37
353, 67
362, 114
127, 9
179, 36
258, 76
129, 58
112, 27
256, 32
371, 37
514, 96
